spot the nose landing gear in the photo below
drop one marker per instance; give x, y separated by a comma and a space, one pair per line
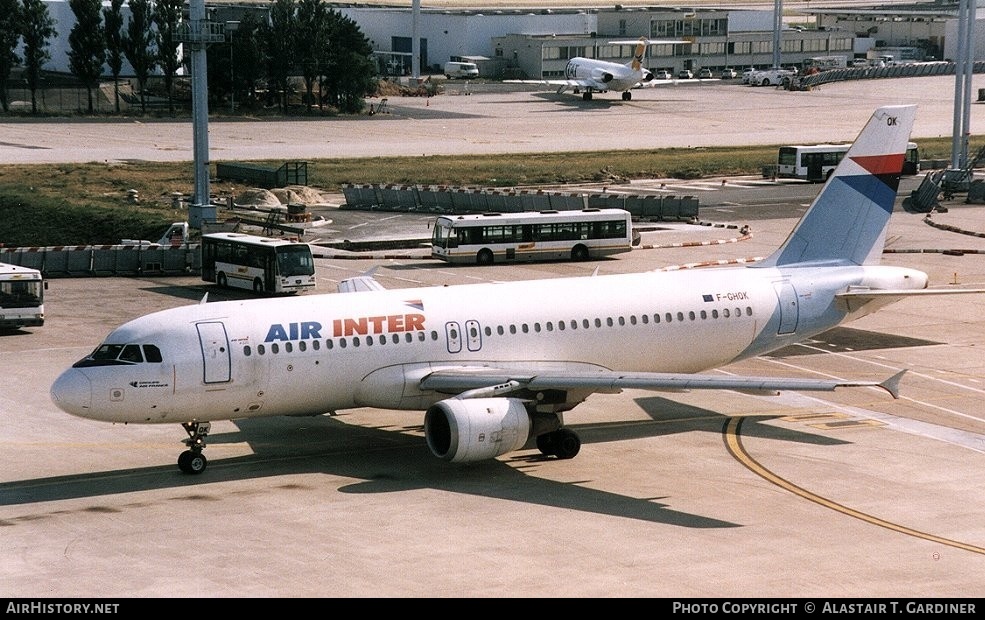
192, 461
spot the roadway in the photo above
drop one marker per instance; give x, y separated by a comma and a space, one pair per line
848, 494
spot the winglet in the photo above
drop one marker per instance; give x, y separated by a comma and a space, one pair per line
891, 384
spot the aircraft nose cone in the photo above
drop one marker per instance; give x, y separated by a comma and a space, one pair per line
72, 393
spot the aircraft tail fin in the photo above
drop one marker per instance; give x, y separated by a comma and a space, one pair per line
637, 62
847, 221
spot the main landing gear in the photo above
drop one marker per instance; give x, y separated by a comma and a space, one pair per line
562, 443
553, 439
192, 461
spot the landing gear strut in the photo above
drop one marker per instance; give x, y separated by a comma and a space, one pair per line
192, 461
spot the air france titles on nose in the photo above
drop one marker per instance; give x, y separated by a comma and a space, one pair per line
729, 607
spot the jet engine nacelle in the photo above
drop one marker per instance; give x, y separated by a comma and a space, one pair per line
602, 76
647, 76
476, 429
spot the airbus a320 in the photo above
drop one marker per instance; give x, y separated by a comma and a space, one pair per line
495, 366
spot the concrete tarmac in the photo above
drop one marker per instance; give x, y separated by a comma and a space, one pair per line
712, 494
498, 119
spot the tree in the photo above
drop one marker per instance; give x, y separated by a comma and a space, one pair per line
218, 71
87, 51
248, 55
237, 65
350, 70
167, 15
113, 28
37, 27
279, 38
312, 39
140, 44
10, 34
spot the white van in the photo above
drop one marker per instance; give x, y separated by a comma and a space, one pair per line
462, 70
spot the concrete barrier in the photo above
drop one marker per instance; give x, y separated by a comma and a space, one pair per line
106, 260
444, 199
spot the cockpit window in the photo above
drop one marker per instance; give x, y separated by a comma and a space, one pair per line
152, 353
119, 354
131, 353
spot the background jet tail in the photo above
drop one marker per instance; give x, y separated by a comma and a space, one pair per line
847, 221
637, 62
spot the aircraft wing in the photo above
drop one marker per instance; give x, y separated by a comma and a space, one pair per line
467, 380
674, 82
564, 84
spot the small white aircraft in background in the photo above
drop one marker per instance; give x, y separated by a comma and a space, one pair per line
494, 366
589, 75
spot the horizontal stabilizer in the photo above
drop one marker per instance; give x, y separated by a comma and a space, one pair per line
853, 300
362, 282
901, 293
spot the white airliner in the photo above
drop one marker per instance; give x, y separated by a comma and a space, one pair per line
495, 365
589, 75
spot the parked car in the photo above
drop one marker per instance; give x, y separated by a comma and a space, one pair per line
772, 77
748, 74
705, 72
729, 74
685, 74
663, 74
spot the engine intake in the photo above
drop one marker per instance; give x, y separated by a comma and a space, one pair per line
476, 429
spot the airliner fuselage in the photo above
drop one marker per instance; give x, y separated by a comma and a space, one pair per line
321, 353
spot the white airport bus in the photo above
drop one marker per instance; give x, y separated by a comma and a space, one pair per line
261, 264
487, 238
816, 162
21, 297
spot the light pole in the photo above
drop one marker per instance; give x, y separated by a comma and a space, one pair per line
231, 28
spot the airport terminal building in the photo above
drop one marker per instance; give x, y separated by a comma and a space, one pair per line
536, 43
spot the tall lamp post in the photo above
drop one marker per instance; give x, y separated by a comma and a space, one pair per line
231, 28
197, 32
